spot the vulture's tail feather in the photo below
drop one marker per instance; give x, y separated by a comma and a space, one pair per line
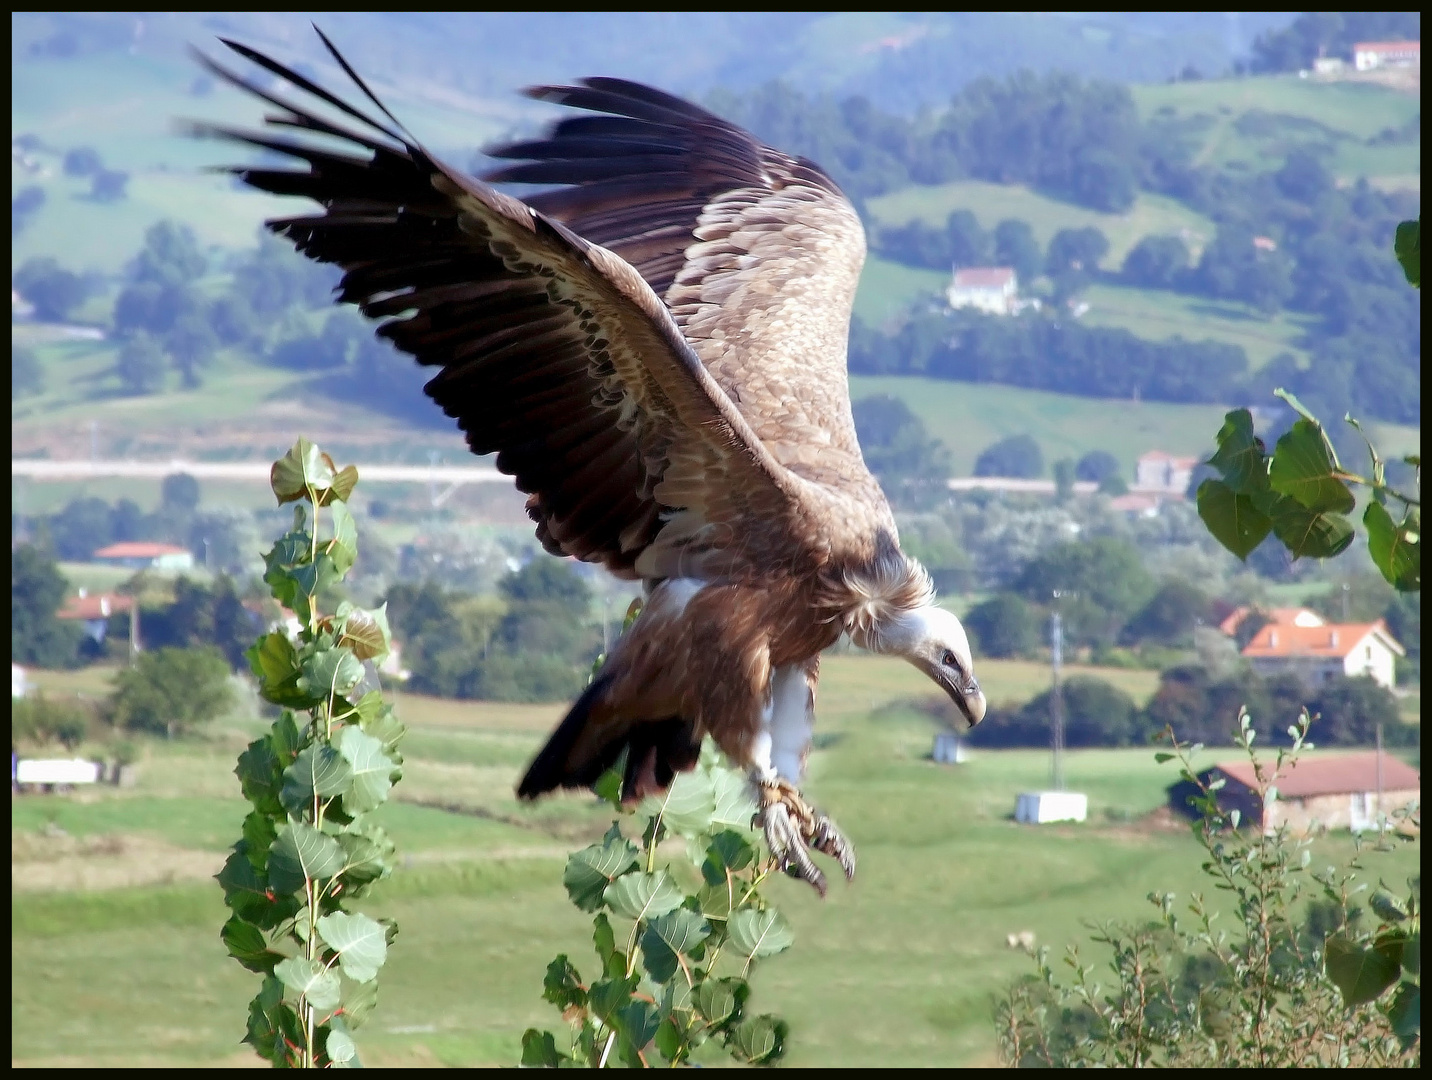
577, 754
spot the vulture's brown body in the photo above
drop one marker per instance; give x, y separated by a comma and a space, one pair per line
654, 347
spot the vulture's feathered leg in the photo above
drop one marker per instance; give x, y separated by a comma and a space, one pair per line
790, 823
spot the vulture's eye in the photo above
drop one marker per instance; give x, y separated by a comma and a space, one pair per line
950, 660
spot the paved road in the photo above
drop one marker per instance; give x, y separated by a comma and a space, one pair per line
255, 471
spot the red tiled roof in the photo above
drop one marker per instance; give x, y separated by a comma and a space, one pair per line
984, 277
1387, 46
1333, 641
138, 549
90, 608
1332, 775
1161, 455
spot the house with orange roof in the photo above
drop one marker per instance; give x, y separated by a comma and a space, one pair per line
992, 289
94, 610
1348, 791
1316, 654
145, 555
1371, 55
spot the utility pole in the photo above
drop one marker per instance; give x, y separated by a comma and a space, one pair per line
1377, 807
1056, 697
1345, 588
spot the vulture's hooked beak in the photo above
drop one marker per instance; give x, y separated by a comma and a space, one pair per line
968, 698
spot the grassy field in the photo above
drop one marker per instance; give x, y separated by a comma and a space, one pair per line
1158, 314
114, 927
1288, 111
967, 417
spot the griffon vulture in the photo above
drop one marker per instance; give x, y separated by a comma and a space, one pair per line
655, 349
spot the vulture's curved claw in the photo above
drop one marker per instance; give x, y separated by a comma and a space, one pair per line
792, 826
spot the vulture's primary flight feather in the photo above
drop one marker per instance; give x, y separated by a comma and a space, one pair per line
654, 348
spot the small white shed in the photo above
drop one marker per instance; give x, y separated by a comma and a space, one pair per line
950, 749
1042, 807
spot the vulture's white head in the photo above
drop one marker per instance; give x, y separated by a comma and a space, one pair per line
894, 613
934, 640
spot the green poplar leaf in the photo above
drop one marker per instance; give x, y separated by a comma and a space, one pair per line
720, 1000
359, 1001
269, 1020
330, 671
1240, 457
1360, 974
677, 932
259, 835
735, 803
246, 944
384, 726
539, 1051
562, 985
245, 891
359, 941
365, 632
274, 661
302, 852
1304, 532
609, 787
320, 770
298, 470
260, 776
657, 957
730, 850
310, 979
344, 481
372, 769
311, 579
669, 1040
1305, 468
604, 938
1395, 549
687, 805
1388, 907
1407, 246
759, 1040
638, 1021
340, 1048
643, 896
759, 933
606, 996
286, 739
1405, 1012
342, 547
592, 869
1231, 517
365, 853
715, 901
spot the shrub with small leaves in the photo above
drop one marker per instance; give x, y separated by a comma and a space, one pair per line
675, 943
1263, 992
308, 846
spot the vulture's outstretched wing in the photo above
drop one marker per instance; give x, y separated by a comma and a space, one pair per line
756, 253
555, 353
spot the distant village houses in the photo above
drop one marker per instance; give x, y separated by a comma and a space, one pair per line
1373, 55
143, 555
1349, 791
991, 289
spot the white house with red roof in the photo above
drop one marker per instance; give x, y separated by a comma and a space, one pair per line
993, 289
1318, 653
1283, 616
94, 610
145, 555
1371, 55
1160, 471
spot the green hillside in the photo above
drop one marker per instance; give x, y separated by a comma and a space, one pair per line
967, 417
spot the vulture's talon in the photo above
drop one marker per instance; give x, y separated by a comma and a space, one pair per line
792, 826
